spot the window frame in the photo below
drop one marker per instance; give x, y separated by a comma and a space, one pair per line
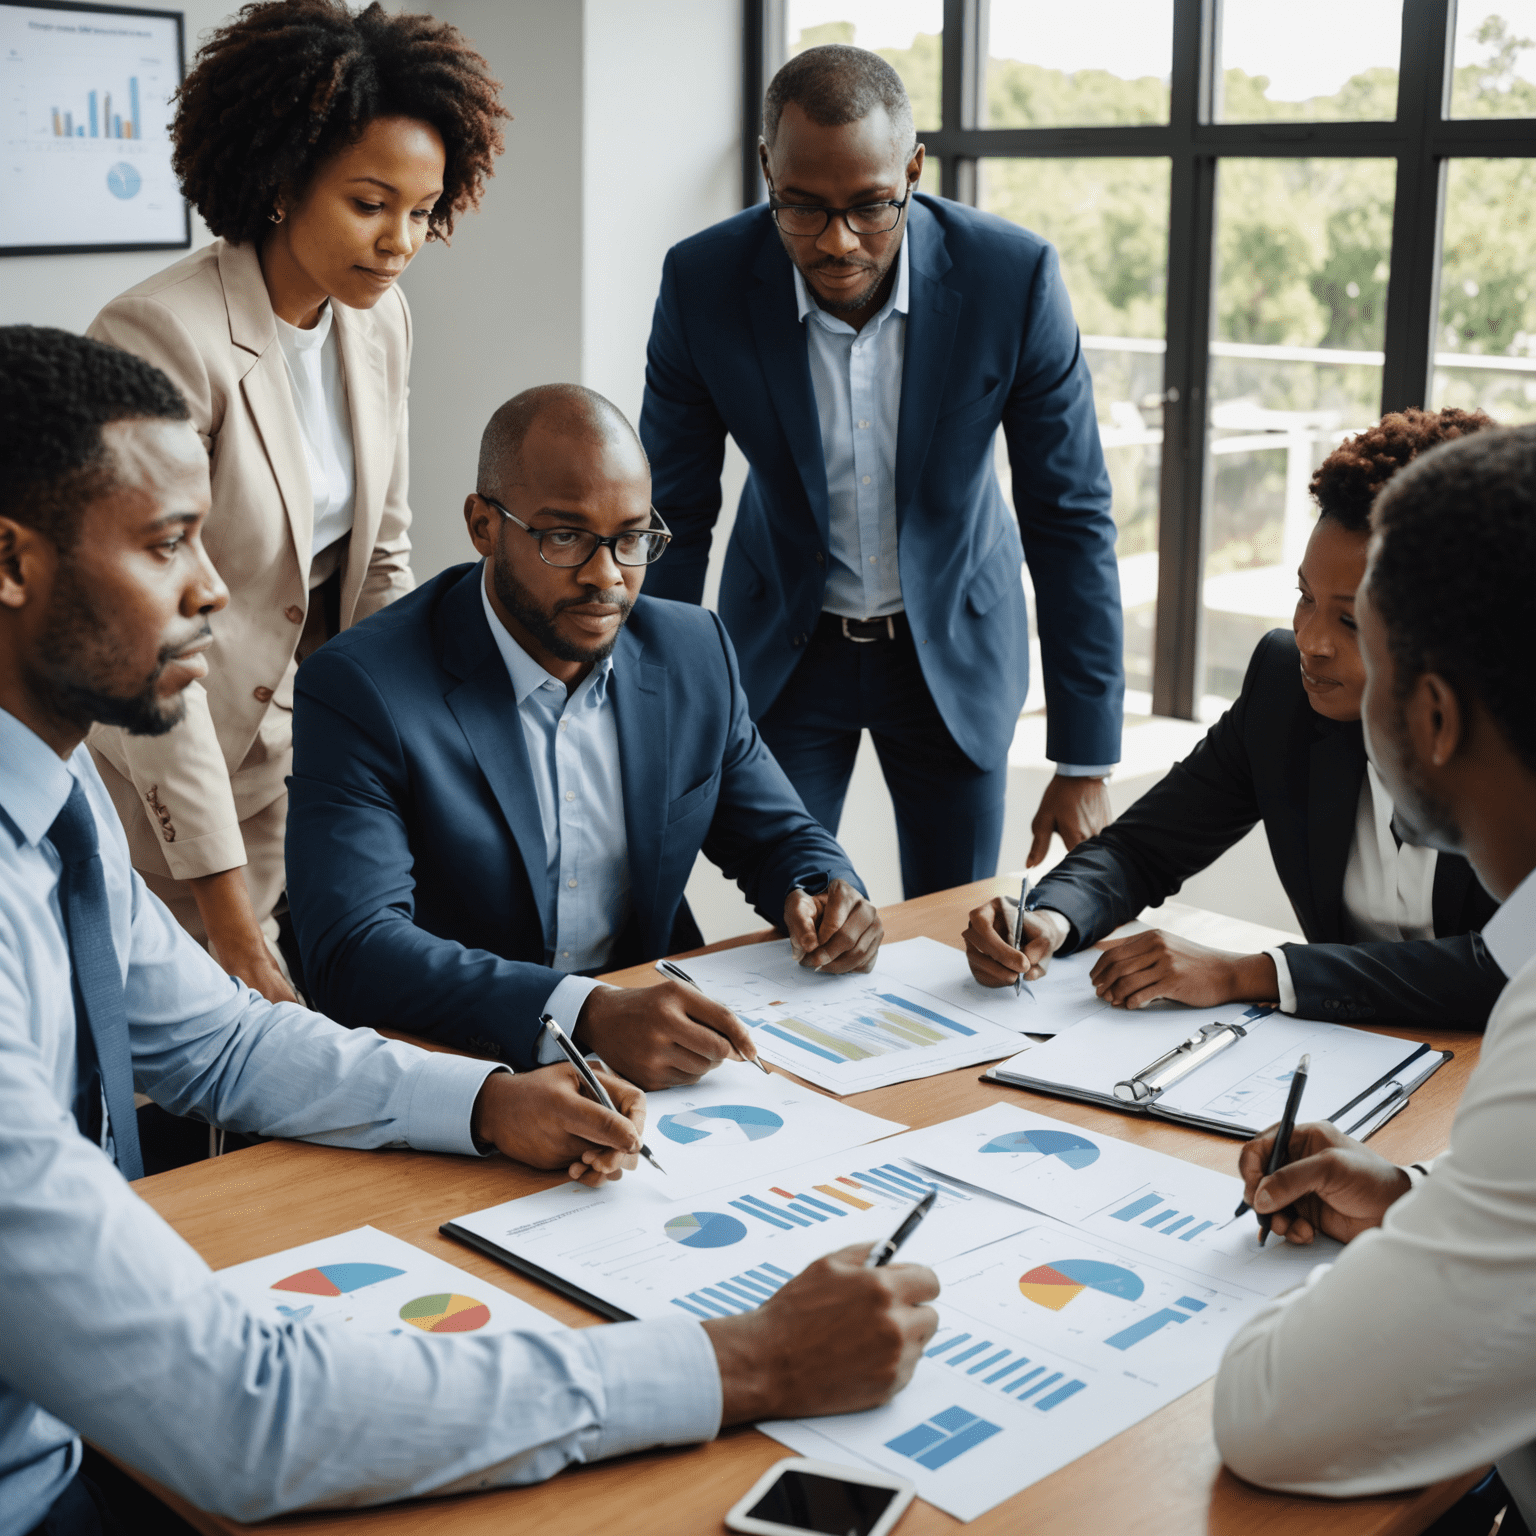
1422, 140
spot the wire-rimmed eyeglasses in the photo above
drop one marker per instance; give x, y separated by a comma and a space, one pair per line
569, 548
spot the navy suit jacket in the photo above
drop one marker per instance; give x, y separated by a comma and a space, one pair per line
990, 341
415, 851
1273, 758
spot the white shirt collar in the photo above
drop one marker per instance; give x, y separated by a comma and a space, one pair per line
34, 780
896, 304
526, 674
1510, 933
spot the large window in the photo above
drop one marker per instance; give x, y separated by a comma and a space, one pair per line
1275, 224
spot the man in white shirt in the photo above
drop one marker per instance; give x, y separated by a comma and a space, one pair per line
122, 1333
1411, 1358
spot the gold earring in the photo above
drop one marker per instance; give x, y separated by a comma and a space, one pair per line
277, 218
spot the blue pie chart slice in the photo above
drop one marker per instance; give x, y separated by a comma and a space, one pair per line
725, 1122
124, 181
1074, 1151
705, 1229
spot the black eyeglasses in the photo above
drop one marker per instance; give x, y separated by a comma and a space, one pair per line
569, 548
867, 219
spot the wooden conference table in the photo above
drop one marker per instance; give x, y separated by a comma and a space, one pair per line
1163, 1475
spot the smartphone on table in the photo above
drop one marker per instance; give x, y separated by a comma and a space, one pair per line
797, 1496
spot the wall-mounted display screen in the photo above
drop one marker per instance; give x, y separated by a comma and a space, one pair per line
85, 149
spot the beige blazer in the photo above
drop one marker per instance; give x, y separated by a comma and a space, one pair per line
208, 323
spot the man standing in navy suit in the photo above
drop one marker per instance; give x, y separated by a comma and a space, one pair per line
501, 782
862, 344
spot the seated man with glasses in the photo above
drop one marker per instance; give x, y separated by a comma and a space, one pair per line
502, 782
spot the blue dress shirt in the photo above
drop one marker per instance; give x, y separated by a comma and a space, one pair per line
120, 1332
856, 378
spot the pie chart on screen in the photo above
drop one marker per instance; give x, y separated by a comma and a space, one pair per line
336, 1279
446, 1314
720, 1122
1054, 1285
1074, 1151
705, 1229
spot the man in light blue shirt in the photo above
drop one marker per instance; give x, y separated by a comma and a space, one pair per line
125, 1335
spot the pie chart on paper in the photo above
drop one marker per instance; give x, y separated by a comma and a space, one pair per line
1074, 1151
336, 1279
720, 1122
446, 1314
705, 1229
1054, 1285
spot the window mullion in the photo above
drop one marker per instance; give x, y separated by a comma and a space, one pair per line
962, 90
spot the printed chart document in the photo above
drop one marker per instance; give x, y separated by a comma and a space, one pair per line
370, 1281
848, 1033
1060, 998
736, 1124
625, 1251
1065, 1332
1358, 1079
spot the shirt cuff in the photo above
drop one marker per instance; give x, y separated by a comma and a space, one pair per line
1418, 1172
1078, 771
443, 1102
564, 1006
1283, 980
661, 1385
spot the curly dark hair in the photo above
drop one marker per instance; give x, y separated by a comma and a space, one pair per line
288, 83
1453, 575
1348, 481
57, 391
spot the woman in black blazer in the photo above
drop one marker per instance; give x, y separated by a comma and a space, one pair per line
1288, 753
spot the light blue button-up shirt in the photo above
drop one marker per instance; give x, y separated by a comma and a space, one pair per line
856, 377
119, 1331
573, 751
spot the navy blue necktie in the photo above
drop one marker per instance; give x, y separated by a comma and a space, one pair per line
104, 1058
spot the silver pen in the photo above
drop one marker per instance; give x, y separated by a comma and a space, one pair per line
677, 973
1018, 933
590, 1078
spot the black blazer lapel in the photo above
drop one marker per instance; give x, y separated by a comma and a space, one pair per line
485, 707
1336, 767
644, 728
781, 349
933, 313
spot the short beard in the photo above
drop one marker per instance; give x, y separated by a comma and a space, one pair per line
1421, 819
855, 302
518, 601
75, 649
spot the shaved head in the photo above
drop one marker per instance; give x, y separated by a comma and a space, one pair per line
568, 411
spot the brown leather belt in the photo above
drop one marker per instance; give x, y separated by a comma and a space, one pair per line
862, 631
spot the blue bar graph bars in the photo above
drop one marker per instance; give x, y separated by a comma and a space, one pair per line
1002, 1369
741, 1293
107, 124
1163, 1222
937, 1441
1155, 1323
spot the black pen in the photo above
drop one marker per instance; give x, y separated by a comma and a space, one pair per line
672, 969
590, 1078
882, 1253
1280, 1153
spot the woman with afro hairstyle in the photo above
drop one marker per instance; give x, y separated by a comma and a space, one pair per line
1392, 930
323, 148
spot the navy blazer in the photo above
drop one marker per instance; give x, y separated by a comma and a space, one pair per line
990, 341
416, 855
1273, 758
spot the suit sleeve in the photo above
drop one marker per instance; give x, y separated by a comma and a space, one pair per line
352, 891
1061, 493
1181, 825
184, 770
1420, 981
762, 836
389, 561
684, 435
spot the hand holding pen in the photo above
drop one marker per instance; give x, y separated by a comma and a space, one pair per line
677, 973
589, 1077
1280, 1147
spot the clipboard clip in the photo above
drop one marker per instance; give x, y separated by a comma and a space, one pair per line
1188, 1056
